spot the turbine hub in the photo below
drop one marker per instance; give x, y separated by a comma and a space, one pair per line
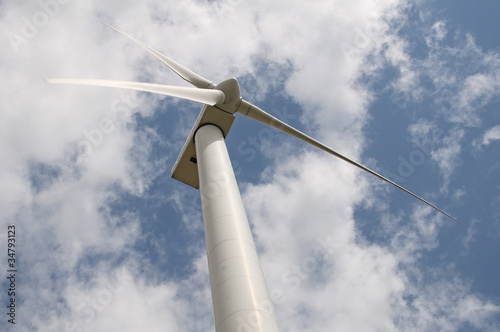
231, 89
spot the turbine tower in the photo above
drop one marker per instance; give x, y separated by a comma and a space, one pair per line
240, 297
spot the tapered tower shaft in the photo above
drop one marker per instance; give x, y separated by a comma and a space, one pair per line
239, 293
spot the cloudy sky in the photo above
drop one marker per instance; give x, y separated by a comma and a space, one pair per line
107, 241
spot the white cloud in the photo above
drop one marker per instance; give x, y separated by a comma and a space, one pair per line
443, 147
322, 272
454, 78
118, 300
463, 77
311, 253
440, 32
491, 135
447, 156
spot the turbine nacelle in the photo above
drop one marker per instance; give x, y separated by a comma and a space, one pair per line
185, 168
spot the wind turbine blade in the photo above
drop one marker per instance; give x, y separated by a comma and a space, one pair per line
190, 76
261, 116
204, 96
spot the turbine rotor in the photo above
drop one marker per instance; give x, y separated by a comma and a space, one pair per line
226, 98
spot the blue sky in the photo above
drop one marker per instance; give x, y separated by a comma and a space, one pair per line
106, 240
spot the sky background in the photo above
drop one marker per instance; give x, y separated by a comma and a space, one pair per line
107, 241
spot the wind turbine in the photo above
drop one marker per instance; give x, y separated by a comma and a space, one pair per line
240, 296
